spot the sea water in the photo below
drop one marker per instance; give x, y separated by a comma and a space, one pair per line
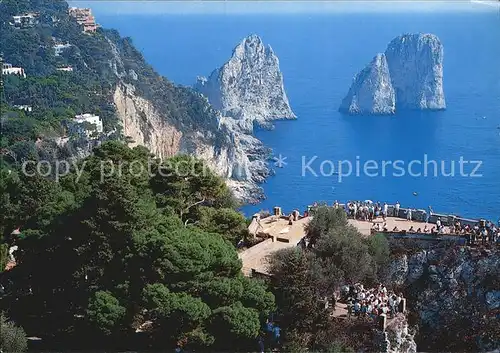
319, 53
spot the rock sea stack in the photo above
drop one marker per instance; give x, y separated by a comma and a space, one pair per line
372, 91
249, 87
408, 76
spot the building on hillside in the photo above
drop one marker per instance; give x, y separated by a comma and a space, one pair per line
90, 26
65, 69
59, 48
26, 20
84, 18
26, 108
8, 69
86, 125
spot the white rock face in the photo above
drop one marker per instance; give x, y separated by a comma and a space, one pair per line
249, 87
409, 75
371, 91
162, 139
397, 337
416, 67
247, 90
145, 126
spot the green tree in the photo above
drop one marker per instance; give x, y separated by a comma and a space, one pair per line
183, 183
237, 321
111, 261
105, 311
378, 246
297, 288
345, 257
325, 219
224, 221
4, 256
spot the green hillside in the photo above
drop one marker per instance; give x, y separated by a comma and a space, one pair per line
56, 97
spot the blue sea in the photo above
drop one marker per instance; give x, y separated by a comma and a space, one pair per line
320, 51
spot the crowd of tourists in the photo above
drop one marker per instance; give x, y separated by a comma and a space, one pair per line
482, 233
365, 210
437, 229
369, 211
371, 302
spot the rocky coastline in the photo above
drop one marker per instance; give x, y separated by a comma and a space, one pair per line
248, 90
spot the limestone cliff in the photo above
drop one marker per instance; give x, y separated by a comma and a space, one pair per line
454, 294
143, 125
371, 91
249, 87
409, 75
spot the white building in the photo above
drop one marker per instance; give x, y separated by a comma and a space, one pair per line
8, 69
65, 69
80, 121
26, 108
59, 48
25, 21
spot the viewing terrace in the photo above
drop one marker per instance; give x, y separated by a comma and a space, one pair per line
280, 232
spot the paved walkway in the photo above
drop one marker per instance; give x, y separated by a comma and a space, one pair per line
365, 227
282, 236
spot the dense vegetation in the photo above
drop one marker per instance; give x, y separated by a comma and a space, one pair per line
303, 278
148, 260
101, 61
110, 260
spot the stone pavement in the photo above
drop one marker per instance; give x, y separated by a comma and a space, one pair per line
281, 236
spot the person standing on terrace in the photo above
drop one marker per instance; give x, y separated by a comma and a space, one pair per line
438, 223
396, 209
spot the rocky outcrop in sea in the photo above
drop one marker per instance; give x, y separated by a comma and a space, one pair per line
408, 76
247, 90
249, 87
372, 91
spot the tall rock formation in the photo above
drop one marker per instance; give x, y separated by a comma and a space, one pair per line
249, 87
246, 89
408, 76
372, 91
416, 66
